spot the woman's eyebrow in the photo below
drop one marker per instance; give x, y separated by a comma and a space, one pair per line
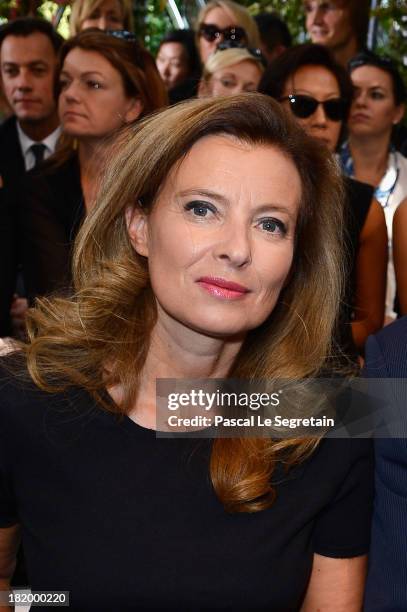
206, 193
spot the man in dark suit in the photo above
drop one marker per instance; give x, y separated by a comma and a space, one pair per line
386, 591
28, 60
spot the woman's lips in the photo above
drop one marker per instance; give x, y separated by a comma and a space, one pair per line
359, 117
221, 288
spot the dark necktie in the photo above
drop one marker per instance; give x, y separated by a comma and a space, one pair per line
38, 151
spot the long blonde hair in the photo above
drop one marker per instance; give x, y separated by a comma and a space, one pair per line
82, 9
110, 317
225, 59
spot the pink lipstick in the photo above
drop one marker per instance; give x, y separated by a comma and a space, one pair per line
221, 288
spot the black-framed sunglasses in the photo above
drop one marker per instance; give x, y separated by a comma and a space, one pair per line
303, 106
211, 32
234, 44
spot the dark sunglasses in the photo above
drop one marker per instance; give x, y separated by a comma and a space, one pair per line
212, 32
122, 34
302, 106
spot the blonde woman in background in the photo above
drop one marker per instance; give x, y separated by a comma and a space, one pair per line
222, 20
230, 71
101, 14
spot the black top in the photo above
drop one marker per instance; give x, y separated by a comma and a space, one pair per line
51, 210
12, 168
125, 520
8, 260
358, 201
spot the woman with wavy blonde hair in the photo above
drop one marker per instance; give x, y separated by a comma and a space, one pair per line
222, 20
101, 14
213, 252
231, 70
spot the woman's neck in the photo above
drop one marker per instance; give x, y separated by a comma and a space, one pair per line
370, 157
91, 156
179, 352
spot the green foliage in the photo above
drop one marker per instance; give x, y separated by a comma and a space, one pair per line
392, 34
152, 22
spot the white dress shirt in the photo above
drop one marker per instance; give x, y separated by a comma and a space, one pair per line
26, 144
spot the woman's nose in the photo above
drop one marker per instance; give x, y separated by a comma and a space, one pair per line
102, 23
316, 16
319, 116
234, 246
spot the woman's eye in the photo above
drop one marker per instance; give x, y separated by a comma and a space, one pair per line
200, 209
273, 226
93, 85
227, 83
377, 95
63, 84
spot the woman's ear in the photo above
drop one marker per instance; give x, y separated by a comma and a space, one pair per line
137, 228
399, 114
134, 110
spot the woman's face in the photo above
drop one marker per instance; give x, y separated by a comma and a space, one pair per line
319, 83
172, 63
93, 103
221, 19
239, 78
108, 15
220, 238
328, 23
373, 110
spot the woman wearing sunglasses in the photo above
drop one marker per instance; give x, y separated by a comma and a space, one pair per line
368, 155
307, 80
224, 20
232, 69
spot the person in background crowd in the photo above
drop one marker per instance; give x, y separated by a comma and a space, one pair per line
101, 14
214, 251
275, 36
318, 91
105, 83
179, 64
340, 25
28, 61
28, 58
386, 587
231, 70
221, 21
368, 155
400, 256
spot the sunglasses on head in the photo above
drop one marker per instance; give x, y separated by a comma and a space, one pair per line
234, 44
304, 106
211, 32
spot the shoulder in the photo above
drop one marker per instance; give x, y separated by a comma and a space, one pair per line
386, 352
9, 128
26, 411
